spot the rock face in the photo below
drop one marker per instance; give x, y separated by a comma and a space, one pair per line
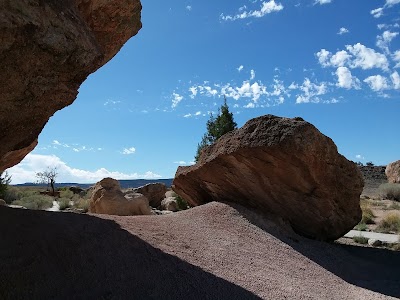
393, 172
154, 192
281, 166
107, 198
47, 50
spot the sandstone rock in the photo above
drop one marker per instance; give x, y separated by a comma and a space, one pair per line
107, 198
2, 202
47, 50
169, 204
393, 172
154, 192
374, 242
281, 166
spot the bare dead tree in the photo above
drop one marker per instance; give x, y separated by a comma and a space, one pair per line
49, 177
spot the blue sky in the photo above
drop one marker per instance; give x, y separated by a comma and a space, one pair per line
335, 63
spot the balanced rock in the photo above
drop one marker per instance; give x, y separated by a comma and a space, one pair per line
47, 50
107, 198
154, 192
393, 172
281, 166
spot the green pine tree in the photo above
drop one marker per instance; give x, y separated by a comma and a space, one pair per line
216, 127
5, 180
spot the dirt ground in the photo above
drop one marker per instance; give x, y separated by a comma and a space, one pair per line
215, 251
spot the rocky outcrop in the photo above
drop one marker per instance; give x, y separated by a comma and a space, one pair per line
154, 192
373, 172
393, 172
47, 50
107, 198
281, 166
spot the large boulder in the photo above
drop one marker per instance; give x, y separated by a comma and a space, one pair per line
47, 50
281, 166
155, 192
393, 172
107, 198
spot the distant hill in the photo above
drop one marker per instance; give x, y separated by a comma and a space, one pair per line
124, 183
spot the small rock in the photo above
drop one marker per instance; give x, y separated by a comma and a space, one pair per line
374, 242
169, 204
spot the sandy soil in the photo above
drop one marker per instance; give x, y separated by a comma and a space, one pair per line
215, 251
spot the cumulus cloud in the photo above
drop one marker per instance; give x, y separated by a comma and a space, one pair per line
343, 30
359, 156
377, 83
240, 68
395, 80
377, 13
346, 80
396, 58
25, 171
128, 151
183, 163
383, 40
266, 8
355, 56
367, 58
189, 7
311, 91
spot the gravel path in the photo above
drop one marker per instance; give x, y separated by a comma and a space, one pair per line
214, 251
384, 237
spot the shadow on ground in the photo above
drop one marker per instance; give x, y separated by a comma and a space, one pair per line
375, 269
46, 255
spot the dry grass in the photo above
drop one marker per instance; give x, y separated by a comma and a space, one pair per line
391, 223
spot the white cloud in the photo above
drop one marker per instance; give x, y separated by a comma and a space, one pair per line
252, 75
396, 58
321, 2
359, 156
311, 91
189, 7
323, 57
343, 30
377, 13
390, 3
25, 171
198, 113
240, 68
176, 98
111, 102
395, 80
128, 151
346, 80
383, 40
187, 115
55, 142
367, 58
183, 163
266, 8
377, 83
249, 105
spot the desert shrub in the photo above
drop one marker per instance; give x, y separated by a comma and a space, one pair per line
396, 247
182, 204
66, 194
394, 206
367, 214
391, 223
361, 227
82, 203
12, 194
360, 239
390, 191
35, 202
64, 203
